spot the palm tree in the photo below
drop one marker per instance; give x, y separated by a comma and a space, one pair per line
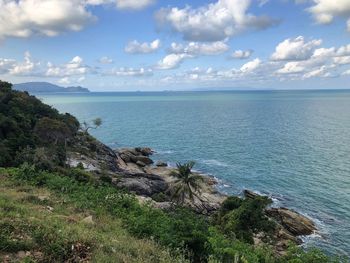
187, 183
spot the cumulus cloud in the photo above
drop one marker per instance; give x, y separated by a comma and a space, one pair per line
295, 49
73, 67
196, 49
251, 66
291, 68
24, 18
6, 64
324, 62
50, 17
133, 4
105, 60
324, 11
172, 61
213, 22
242, 54
130, 72
134, 47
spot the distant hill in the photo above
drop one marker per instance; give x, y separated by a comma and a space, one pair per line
36, 87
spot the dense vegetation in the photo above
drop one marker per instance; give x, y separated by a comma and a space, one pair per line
34, 138
31, 131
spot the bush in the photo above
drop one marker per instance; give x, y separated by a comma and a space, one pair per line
81, 175
160, 197
241, 218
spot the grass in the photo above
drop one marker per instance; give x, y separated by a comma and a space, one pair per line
39, 225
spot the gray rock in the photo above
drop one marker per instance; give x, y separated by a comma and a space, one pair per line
139, 163
125, 157
145, 151
161, 164
141, 184
250, 194
294, 222
88, 220
146, 160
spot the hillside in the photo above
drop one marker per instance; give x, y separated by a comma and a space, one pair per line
66, 197
38, 87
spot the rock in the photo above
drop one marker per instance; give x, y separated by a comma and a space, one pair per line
141, 183
250, 194
163, 205
43, 198
283, 234
161, 164
88, 220
139, 163
128, 151
294, 222
146, 160
21, 254
145, 151
125, 157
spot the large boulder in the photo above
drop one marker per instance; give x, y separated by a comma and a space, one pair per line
145, 151
144, 159
141, 184
250, 194
161, 164
294, 222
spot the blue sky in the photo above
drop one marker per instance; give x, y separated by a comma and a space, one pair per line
126, 45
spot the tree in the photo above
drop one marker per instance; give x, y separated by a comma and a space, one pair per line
187, 184
96, 123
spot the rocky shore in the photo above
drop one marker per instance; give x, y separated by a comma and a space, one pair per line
134, 170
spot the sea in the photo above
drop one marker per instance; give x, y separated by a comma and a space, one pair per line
293, 146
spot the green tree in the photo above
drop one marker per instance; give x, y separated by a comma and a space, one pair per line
187, 184
95, 124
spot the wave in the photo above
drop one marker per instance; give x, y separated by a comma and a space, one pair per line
164, 151
213, 162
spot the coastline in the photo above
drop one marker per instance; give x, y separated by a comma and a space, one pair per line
134, 170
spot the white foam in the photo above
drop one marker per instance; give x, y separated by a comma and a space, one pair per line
214, 162
164, 152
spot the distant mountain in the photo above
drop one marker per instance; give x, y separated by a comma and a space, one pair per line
36, 87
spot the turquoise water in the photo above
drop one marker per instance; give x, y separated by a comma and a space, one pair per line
292, 145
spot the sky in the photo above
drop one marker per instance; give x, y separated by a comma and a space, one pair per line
147, 45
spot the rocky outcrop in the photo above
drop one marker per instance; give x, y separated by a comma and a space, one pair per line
139, 156
161, 164
140, 183
250, 194
92, 154
294, 222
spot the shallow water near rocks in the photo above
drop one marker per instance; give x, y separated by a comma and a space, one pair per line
292, 145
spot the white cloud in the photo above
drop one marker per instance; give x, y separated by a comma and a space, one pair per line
291, 68
324, 11
50, 17
213, 22
295, 49
172, 61
73, 67
133, 4
6, 64
251, 66
320, 72
347, 72
134, 47
105, 60
130, 72
242, 54
342, 60
64, 81
196, 49
26, 67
